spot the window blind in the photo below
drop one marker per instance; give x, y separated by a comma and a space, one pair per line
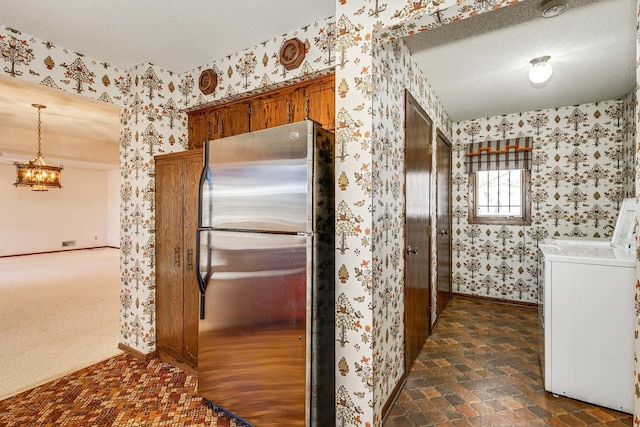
502, 154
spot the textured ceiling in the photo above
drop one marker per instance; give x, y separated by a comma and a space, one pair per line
177, 36
478, 67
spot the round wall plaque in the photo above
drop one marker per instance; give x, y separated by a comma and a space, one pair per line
208, 81
292, 53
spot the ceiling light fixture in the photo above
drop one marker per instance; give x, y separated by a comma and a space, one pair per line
551, 8
540, 70
35, 173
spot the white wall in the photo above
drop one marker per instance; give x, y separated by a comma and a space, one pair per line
113, 208
32, 222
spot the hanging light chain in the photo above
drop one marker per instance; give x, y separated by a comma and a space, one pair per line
39, 107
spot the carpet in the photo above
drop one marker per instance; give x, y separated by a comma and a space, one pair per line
59, 312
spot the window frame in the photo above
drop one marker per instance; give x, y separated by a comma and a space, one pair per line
523, 219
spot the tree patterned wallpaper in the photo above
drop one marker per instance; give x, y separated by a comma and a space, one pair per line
153, 122
393, 68
582, 169
370, 150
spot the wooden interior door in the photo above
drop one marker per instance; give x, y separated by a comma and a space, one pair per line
443, 209
418, 128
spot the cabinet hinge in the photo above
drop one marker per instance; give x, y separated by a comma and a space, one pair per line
428, 230
429, 149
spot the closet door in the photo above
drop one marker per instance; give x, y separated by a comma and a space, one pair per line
417, 229
443, 238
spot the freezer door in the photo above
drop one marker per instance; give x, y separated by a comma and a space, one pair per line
260, 180
253, 355
205, 204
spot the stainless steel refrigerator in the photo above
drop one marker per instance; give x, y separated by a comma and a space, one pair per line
266, 273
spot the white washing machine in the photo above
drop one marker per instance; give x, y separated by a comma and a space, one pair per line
587, 312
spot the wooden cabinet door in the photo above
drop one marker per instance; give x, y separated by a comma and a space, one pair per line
317, 102
177, 292
169, 260
276, 110
231, 120
198, 127
311, 99
192, 167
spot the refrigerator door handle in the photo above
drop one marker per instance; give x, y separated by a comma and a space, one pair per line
203, 272
203, 280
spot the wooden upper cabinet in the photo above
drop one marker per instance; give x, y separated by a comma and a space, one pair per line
229, 120
318, 103
310, 99
198, 128
274, 110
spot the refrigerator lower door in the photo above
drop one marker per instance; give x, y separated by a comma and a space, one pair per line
203, 256
254, 352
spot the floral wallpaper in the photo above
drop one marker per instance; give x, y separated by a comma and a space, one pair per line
394, 69
581, 172
370, 147
375, 227
368, 114
258, 69
153, 122
636, 167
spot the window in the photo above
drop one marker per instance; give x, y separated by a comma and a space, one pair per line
499, 181
499, 197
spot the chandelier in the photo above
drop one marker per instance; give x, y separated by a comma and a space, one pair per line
35, 173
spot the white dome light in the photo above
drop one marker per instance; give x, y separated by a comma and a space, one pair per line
553, 8
540, 70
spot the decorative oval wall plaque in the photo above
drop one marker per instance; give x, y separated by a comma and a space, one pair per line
208, 81
292, 53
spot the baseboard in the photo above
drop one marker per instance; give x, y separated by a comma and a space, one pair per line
137, 354
496, 300
394, 396
65, 250
434, 325
167, 358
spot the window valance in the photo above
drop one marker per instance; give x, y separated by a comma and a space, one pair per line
513, 153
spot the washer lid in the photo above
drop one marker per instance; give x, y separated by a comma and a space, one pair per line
624, 233
588, 254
